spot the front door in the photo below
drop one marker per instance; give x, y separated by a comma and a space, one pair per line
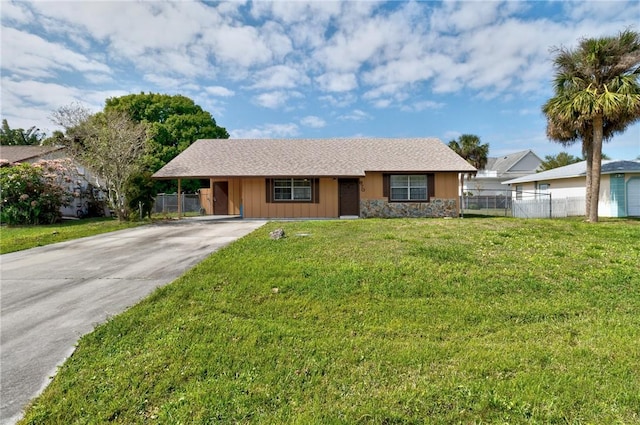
221, 198
349, 197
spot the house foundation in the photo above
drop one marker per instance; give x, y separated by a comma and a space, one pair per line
384, 209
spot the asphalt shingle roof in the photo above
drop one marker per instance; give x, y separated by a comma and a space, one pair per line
503, 164
311, 157
579, 169
24, 153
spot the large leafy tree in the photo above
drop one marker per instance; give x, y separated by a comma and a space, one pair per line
175, 122
469, 147
18, 136
596, 94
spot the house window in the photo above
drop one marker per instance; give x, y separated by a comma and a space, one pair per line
543, 190
408, 187
519, 192
293, 190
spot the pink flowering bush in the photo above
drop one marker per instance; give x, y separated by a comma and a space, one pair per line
34, 193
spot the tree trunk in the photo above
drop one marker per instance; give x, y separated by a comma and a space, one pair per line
587, 152
596, 167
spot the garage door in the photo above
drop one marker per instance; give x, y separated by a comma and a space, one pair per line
633, 197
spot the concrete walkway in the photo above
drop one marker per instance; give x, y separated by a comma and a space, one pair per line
50, 296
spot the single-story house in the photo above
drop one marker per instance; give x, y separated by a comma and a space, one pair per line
488, 181
565, 187
84, 179
323, 178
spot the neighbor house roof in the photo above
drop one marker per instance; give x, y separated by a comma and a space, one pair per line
311, 157
504, 164
579, 169
26, 153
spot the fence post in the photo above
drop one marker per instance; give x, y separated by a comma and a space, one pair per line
506, 201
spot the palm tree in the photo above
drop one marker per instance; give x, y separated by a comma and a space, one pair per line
597, 94
468, 147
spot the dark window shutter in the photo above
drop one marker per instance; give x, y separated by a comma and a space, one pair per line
268, 183
386, 182
316, 191
431, 187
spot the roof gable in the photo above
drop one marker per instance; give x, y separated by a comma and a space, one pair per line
518, 162
311, 157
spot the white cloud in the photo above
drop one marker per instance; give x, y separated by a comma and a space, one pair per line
267, 131
32, 56
604, 10
339, 101
293, 12
465, 15
355, 115
15, 12
279, 77
28, 103
363, 37
422, 105
275, 99
335, 82
241, 45
171, 83
313, 121
219, 91
276, 38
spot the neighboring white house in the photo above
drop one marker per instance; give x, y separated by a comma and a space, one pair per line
488, 181
561, 191
83, 178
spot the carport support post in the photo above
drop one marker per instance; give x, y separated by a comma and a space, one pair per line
212, 194
179, 199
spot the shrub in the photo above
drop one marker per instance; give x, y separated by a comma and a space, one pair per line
34, 193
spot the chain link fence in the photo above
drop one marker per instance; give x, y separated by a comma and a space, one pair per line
487, 202
168, 203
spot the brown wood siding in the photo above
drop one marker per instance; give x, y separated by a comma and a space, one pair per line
373, 184
446, 187
234, 199
255, 202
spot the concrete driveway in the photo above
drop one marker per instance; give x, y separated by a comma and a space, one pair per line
50, 296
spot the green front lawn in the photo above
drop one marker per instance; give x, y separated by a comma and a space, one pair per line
376, 322
17, 238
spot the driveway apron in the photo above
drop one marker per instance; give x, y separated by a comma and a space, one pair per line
50, 296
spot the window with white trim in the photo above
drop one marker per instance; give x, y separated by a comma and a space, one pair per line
408, 187
292, 189
543, 190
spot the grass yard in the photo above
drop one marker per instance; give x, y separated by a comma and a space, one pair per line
17, 238
376, 322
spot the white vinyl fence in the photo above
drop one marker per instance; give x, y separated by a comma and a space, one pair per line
547, 207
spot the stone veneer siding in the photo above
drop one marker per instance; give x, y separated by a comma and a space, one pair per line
383, 209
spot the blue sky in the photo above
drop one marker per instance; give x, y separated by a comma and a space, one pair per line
311, 69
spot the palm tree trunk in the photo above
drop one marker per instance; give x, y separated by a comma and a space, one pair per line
587, 153
596, 167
